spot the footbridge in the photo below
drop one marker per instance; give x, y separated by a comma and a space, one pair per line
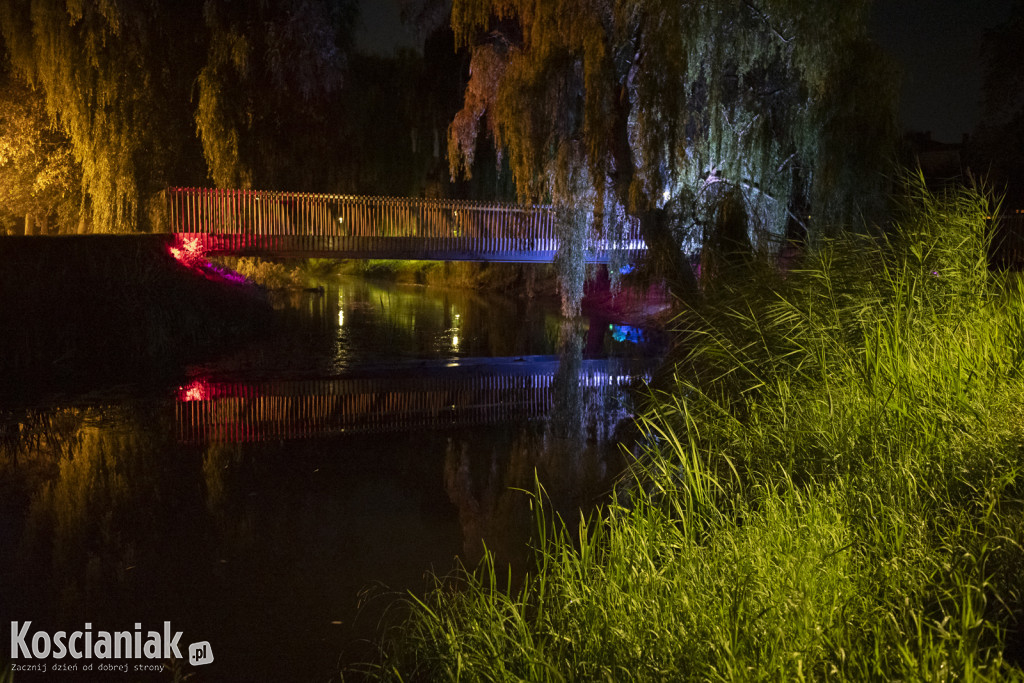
300, 224
485, 392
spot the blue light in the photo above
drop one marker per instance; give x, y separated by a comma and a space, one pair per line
627, 333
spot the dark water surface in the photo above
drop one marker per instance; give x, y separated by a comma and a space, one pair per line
277, 501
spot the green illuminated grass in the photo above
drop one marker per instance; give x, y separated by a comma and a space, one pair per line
830, 488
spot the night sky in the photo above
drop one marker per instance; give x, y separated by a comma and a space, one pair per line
937, 42
380, 28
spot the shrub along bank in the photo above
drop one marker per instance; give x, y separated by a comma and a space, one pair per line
830, 486
636, 300
532, 280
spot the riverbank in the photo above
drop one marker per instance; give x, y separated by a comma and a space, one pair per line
829, 487
633, 303
76, 308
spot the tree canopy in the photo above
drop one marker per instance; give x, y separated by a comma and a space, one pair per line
669, 111
271, 79
116, 76
157, 92
38, 173
680, 114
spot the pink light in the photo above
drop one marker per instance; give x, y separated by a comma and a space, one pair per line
193, 247
202, 389
189, 251
224, 274
198, 390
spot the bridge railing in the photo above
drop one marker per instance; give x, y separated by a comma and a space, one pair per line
274, 410
254, 220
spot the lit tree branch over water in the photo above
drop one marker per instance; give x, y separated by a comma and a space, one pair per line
673, 111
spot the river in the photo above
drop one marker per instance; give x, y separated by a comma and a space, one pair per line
277, 502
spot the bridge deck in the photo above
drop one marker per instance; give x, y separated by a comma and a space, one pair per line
511, 250
250, 222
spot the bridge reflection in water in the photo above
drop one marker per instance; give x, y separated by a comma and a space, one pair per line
422, 397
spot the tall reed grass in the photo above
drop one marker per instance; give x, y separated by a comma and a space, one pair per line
829, 487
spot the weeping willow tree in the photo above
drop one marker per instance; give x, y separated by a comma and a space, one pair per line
39, 179
116, 76
265, 92
147, 90
682, 115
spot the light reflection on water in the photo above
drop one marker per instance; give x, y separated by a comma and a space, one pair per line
305, 538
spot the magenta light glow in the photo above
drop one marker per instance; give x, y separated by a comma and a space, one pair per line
191, 253
203, 389
198, 390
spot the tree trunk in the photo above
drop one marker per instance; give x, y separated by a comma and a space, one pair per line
30, 227
727, 250
666, 255
664, 252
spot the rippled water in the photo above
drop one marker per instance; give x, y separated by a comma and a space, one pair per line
276, 500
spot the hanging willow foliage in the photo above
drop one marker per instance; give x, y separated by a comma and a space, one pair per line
105, 68
265, 91
132, 82
664, 109
38, 174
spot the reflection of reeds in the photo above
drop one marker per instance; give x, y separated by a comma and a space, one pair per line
830, 487
488, 480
